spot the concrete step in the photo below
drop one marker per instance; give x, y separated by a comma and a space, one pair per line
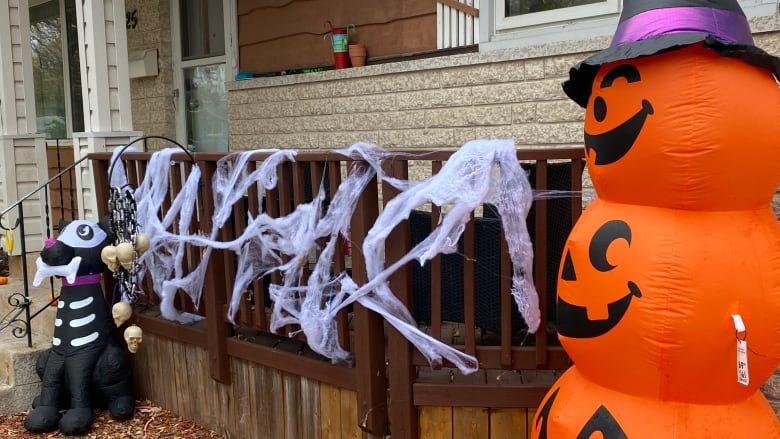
19, 382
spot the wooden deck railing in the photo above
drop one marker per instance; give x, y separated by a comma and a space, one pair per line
463, 299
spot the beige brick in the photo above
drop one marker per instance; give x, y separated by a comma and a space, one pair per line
317, 123
429, 138
243, 126
772, 388
497, 132
769, 42
270, 126
463, 135
240, 142
449, 97
560, 111
161, 129
259, 110
541, 90
396, 83
238, 97
419, 170
534, 69
524, 113
549, 133
275, 94
497, 94
383, 139
469, 116
776, 407
289, 141
484, 74
393, 120
362, 104
326, 89
559, 66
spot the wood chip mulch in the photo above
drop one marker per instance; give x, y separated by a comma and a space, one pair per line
149, 422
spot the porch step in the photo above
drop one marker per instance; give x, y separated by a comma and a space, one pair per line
19, 382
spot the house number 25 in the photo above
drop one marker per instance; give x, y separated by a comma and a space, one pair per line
131, 19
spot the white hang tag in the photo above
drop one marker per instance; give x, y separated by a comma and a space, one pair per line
743, 377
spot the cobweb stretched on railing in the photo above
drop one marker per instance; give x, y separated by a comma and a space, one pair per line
483, 171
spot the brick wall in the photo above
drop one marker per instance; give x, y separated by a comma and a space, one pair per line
411, 104
152, 97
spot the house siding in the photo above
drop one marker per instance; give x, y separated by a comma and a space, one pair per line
17, 108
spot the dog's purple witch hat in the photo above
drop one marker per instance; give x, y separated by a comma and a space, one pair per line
648, 27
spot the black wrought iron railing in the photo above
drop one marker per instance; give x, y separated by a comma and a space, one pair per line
20, 316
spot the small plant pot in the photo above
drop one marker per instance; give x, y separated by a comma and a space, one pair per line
357, 55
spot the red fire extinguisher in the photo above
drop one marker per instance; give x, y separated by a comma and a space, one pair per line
340, 41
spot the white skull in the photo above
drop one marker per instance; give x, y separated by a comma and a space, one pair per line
134, 336
121, 312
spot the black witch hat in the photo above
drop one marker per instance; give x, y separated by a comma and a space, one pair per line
648, 27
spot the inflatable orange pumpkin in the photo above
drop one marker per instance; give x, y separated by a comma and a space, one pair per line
669, 287
652, 291
679, 130
576, 408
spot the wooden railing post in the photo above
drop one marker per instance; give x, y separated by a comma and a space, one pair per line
369, 349
540, 258
214, 285
401, 371
100, 174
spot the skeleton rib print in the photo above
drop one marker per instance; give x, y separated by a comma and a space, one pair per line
79, 322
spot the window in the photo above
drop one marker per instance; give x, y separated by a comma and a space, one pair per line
56, 74
200, 68
521, 13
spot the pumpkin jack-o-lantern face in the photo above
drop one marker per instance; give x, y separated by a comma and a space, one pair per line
602, 422
573, 320
611, 145
671, 130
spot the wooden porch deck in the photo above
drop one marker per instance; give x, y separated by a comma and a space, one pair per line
251, 383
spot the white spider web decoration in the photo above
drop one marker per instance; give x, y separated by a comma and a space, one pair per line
482, 171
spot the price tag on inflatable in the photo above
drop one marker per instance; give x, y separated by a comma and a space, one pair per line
743, 377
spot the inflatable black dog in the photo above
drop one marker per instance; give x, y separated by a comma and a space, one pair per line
85, 368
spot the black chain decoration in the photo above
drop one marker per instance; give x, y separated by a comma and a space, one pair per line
124, 227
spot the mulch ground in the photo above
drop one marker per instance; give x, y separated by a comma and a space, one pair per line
149, 422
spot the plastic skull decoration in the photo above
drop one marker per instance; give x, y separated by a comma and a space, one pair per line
121, 312
134, 336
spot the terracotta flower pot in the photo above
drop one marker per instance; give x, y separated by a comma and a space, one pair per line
357, 54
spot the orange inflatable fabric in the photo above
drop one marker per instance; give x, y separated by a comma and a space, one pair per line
669, 284
578, 408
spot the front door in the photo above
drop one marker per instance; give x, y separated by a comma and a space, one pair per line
202, 57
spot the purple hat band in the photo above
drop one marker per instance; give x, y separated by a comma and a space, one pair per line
720, 23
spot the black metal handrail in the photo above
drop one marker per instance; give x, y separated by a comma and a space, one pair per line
21, 302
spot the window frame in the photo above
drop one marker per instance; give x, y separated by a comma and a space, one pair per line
179, 64
517, 22
67, 78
